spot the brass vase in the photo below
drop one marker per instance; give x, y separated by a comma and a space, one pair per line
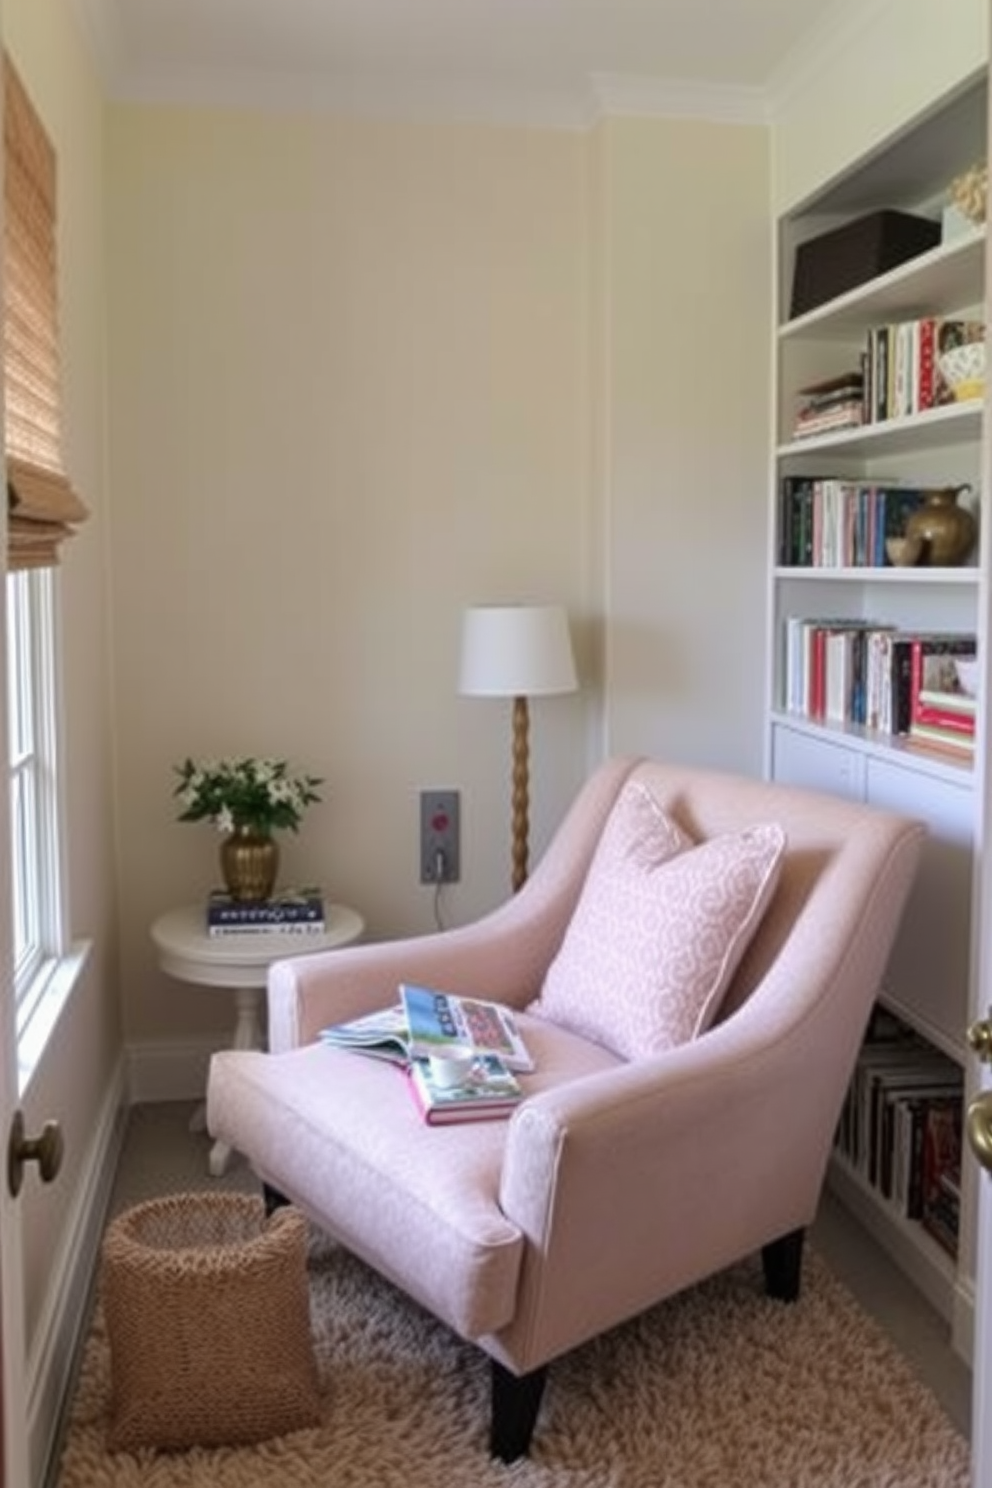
946, 529
249, 863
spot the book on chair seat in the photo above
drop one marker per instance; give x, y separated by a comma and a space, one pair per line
489, 1091
425, 1021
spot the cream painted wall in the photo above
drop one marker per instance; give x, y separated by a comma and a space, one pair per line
898, 59
361, 375
349, 395
684, 306
80, 1064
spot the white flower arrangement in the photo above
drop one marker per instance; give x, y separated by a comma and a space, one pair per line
259, 794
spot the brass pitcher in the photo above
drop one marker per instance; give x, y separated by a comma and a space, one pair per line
946, 529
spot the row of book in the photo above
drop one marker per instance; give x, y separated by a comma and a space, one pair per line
885, 680
833, 522
899, 376
900, 1127
289, 912
901, 365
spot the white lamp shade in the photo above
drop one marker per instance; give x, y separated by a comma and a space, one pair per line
516, 651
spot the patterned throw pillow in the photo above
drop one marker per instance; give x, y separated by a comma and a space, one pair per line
659, 929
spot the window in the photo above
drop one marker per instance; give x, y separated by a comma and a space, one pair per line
41, 510
35, 835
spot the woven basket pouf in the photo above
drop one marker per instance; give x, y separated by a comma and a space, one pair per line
207, 1308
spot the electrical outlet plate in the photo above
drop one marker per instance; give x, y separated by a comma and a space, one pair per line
440, 858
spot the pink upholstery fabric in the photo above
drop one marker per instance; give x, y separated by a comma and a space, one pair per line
659, 929
420, 1203
613, 1187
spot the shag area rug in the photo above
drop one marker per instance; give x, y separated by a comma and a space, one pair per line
716, 1388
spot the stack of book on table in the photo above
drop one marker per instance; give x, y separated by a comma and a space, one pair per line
289, 912
422, 1029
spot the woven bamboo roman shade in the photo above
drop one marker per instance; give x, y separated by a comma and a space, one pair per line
42, 507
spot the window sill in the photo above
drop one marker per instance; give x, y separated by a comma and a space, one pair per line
60, 977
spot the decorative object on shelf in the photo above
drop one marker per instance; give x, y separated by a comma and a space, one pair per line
840, 260
963, 369
969, 192
247, 800
966, 669
517, 651
946, 529
904, 552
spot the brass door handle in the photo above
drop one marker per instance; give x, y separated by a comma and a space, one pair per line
45, 1150
979, 1128
980, 1039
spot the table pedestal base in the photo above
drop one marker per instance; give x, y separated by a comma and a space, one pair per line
239, 964
247, 1035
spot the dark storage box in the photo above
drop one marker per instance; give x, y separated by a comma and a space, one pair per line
851, 255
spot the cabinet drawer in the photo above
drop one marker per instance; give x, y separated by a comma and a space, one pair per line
816, 764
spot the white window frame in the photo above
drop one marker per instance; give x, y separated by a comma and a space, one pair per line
42, 971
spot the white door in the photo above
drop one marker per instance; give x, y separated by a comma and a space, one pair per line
13, 1404
13, 1395
979, 1133
979, 1119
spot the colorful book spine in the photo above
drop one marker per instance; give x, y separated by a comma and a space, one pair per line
950, 719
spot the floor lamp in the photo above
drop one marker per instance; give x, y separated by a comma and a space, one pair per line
517, 651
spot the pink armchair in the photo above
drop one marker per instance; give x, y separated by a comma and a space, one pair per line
618, 1181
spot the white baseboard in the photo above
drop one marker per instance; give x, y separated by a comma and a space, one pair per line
922, 1260
168, 1071
58, 1336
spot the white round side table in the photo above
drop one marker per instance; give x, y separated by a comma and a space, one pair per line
240, 963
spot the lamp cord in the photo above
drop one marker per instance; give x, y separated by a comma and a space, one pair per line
438, 885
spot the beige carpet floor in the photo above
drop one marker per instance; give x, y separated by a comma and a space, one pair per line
716, 1388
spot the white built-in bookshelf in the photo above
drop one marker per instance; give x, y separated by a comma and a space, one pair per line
931, 981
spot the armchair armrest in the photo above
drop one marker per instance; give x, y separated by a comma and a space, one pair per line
634, 1182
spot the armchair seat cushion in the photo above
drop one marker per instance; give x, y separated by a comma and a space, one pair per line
339, 1134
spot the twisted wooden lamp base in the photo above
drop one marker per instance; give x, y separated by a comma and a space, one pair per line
521, 723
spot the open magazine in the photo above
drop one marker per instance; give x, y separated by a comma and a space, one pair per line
425, 1021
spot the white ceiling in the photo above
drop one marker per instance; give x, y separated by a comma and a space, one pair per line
555, 60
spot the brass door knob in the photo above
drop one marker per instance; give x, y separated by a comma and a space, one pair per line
980, 1039
979, 1128
45, 1150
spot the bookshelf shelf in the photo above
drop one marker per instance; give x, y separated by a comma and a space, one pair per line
940, 282
965, 577
931, 982
954, 424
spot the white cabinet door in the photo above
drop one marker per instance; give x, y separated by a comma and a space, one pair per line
928, 971
813, 763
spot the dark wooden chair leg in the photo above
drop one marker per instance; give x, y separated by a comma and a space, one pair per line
516, 1400
783, 1263
272, 1199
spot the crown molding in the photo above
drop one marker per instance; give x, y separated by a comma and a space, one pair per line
416, 99
619, 94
